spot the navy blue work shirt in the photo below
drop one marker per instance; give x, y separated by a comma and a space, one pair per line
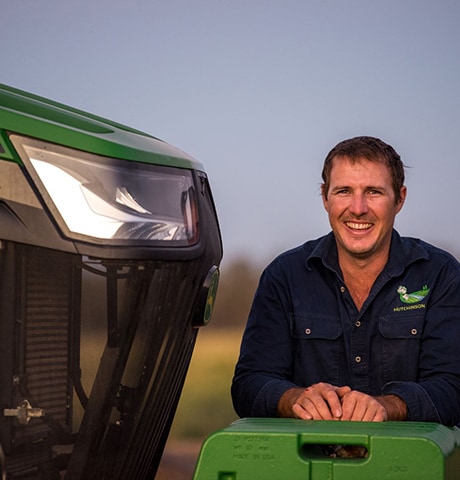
304, 328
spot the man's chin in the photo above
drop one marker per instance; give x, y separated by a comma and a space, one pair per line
361, 251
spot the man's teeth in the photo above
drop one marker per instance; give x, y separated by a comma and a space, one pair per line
359, 226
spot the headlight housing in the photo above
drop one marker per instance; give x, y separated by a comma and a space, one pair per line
112, 201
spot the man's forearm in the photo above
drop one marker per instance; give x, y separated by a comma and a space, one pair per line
395, 407
287, 400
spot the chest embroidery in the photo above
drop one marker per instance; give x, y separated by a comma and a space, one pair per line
414, 297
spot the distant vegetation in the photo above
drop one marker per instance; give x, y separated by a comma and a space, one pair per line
237, 285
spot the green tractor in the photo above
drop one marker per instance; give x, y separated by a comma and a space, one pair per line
109, 255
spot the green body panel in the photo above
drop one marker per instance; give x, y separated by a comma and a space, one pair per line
280, 449
34, 116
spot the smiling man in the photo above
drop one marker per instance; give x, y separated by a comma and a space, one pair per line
361, 324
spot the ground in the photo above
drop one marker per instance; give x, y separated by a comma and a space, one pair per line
178, 462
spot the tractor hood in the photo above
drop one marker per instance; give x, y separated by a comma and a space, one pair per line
38, 117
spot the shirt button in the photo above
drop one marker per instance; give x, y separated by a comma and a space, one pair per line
357, 323
414, 331
342, 289
358, 359
307, 331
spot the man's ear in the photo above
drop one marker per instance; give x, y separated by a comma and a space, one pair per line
324, 197
402, 198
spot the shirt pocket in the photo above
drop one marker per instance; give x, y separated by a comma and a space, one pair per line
317, 339
398, 326
315, 326
401, 338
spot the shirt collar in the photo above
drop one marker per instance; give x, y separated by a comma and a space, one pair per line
403, 252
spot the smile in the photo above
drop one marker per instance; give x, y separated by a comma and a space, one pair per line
358, 226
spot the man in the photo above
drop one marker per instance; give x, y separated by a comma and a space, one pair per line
361, 324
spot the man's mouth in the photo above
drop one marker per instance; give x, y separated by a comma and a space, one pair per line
358, 226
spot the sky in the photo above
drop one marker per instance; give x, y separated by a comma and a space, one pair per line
259, 91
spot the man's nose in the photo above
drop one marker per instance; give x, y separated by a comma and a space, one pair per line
358, 204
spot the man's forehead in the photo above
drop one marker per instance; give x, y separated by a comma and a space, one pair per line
353, 159
342, 161
374, 171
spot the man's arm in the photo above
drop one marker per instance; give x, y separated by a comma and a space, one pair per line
395, 406
263, 371
435, 395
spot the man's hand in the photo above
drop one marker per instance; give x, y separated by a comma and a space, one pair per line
361, 407
323, 401
358, 406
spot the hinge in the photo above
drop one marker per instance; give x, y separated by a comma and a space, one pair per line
24, 412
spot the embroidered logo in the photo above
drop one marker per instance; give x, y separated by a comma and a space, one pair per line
414, 297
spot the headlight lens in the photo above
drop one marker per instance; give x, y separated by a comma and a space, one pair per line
110, 199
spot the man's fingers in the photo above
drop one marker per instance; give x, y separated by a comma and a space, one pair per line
342, 391
358, 406
316, 408
300, 412
322, 402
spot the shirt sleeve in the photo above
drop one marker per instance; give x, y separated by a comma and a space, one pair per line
264, 368
435, 396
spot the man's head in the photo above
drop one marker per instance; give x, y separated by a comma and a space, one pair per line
368, 148
363, 191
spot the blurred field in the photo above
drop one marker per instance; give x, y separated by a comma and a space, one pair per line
205, 404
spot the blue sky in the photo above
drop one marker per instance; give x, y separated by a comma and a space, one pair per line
259, 91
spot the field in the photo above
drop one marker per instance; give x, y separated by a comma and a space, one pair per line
205, 404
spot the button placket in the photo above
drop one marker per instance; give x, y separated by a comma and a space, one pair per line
359, 351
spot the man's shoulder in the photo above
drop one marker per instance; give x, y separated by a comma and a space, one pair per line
304, 249
299, 254
432, 253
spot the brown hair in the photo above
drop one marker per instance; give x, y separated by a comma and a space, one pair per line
369, 148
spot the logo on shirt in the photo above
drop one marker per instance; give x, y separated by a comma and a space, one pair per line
414, 297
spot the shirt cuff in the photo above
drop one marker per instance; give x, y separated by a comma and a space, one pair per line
420, 406
266, 401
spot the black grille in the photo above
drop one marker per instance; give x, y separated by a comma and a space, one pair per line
43, 339
107, 419
48, 336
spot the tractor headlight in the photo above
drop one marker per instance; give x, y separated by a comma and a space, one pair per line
111, 200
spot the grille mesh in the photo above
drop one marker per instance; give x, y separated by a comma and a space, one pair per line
46, 339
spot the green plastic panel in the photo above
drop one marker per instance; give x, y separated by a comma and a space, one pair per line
269, 449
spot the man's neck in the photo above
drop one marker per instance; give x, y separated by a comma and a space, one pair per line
359, 274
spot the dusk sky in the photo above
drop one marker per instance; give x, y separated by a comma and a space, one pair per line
259, 91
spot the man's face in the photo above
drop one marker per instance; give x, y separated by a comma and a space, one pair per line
362, 206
